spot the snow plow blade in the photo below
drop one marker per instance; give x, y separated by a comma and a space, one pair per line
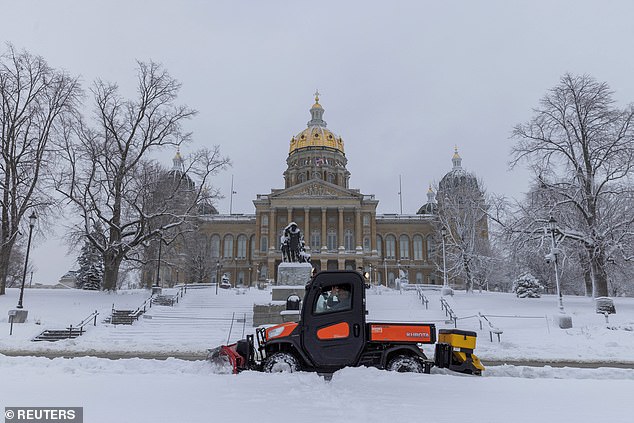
233, 358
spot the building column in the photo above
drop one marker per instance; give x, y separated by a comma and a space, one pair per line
358, 230
289, 215
340, 232
307, 226
373, 232
272, 231
323, 228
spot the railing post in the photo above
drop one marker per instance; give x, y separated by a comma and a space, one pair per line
11, 328
94, 323
70, 331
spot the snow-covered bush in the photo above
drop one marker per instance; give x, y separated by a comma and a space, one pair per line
527, 286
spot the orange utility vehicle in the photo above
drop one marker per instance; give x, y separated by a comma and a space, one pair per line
332, 333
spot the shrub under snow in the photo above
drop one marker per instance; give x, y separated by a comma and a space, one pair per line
527, 286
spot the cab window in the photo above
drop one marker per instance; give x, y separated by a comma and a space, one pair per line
333, 298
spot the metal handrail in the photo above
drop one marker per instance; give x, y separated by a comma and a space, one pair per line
92, 316
444, 305
421, 295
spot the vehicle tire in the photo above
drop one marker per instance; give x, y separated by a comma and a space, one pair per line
281, 362
405, 364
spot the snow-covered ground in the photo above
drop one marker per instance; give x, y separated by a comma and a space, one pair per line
142, 390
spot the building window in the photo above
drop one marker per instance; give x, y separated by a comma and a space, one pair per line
252, 247
242, 247
390, 247
315, 240
431, 248
366, 220
332, 239
348, 239
241, 277
366, 244
419, 277
302, 177
265, 220
379, 245
215, 246
264, 243
418, 247
264, 271
403, 246
331, 178
228, 246
390, 278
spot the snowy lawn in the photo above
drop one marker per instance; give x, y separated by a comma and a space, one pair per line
203, 319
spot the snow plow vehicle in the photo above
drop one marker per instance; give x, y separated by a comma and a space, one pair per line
332, 333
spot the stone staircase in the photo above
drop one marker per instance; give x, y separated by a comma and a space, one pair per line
52, 335
122, 317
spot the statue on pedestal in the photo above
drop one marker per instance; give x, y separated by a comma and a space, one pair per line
293, 247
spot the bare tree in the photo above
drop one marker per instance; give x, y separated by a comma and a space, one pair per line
581, 149
35, 100
109, 177
462, 212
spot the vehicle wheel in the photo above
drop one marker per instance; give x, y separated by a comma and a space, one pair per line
281, 362
405, 364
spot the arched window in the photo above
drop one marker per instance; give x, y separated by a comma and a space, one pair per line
390, 247
215, 246
367, 244
331, 178
264, 243
252, 247
332, 239
418, 247
431, 248
301, 178
403, 247
315, 239
348, 239
265, 220
242, 247
228, 246
379, 245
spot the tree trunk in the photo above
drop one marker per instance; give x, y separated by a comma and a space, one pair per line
468, 277
600, 275
587, 271
111, 264
5, 255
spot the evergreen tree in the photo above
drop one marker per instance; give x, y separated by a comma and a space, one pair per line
90, 274
527, 286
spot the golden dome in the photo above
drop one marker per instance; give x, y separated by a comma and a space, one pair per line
316, 135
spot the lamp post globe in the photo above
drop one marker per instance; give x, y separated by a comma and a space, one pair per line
32, 220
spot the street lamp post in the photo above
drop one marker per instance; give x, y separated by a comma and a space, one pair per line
218, 267
158, 265
564, 320
385, 270
32, 220
446, 290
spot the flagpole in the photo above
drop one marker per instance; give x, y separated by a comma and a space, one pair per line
231, 197
400, 193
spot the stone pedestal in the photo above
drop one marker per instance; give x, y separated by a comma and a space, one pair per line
291, 280
18, 315
294, 274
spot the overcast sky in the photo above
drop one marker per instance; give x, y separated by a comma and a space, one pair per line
401, 81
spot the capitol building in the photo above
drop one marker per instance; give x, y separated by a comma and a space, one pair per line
340, 224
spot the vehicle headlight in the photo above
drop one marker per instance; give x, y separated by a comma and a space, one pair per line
275, 332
